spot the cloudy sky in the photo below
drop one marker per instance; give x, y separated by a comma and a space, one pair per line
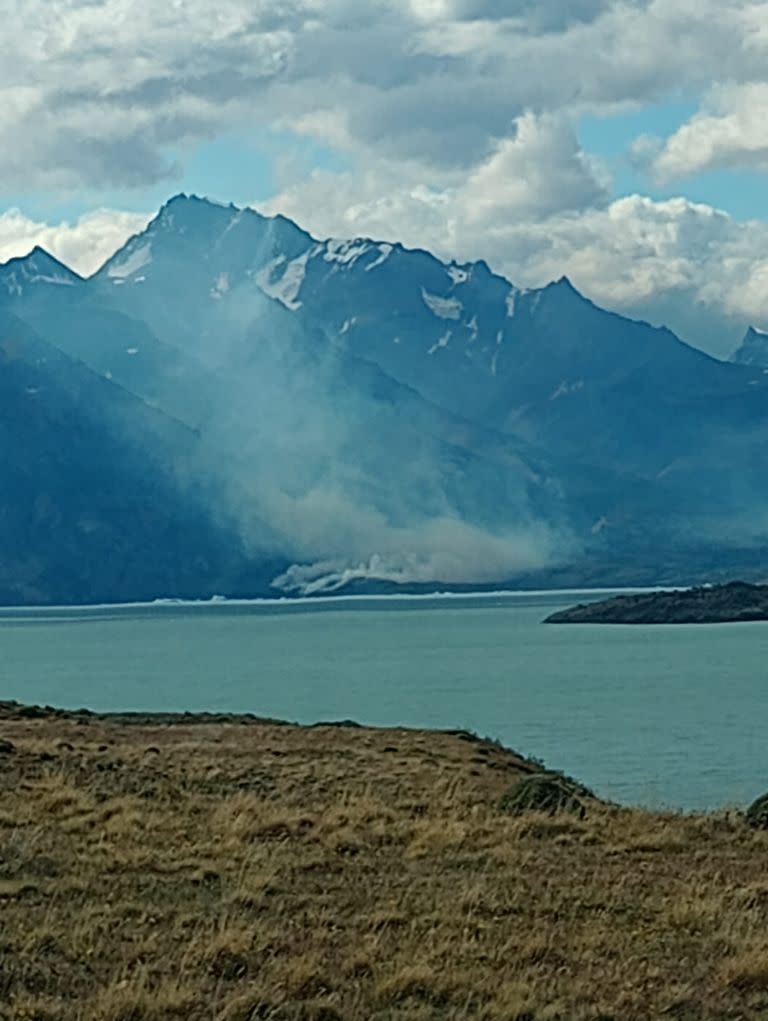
622, 143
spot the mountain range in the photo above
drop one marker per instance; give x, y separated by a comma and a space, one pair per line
232, 407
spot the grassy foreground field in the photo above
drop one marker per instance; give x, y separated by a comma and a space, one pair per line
238, 870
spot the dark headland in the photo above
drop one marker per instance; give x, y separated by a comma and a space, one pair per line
709, 604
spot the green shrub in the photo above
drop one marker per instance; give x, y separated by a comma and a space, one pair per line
757, 813
546, 792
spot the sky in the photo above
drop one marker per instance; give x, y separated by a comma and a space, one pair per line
623, 143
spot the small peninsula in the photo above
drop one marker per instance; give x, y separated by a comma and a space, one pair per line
708, 604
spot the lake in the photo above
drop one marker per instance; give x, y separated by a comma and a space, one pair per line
662, 716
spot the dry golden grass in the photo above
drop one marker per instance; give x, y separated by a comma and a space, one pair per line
237, 871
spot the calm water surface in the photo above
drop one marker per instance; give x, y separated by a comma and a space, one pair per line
665, 716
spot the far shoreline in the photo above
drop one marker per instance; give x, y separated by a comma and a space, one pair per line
223, 602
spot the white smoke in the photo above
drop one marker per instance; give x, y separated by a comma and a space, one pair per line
446, 551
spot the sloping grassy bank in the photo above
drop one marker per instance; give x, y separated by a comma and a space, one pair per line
234, 870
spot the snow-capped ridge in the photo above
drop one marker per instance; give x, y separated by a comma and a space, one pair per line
293, 267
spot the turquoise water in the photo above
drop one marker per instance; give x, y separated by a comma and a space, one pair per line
663, 716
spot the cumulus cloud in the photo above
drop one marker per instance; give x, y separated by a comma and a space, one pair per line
539, 171
732, 131
95, 93
111, 92
82, 245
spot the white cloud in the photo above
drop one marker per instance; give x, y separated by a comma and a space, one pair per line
539, 171
83, 245
95, 93
109, 92
732, 131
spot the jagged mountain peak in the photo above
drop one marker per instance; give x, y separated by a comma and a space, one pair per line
753, 333
563, 283
211, 232
753, 350
562, 288
406, 306
40, 259
37, 267
192, 203
185, 198
183, 209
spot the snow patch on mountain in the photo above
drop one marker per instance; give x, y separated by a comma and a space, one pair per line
566, 388
345, 252
600, 525
442, 342
132, 263
457, 274
234, 222
495, 359
384, 253
46, 278
14, 287
443, 308
286, 287
15, 281
221, 286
